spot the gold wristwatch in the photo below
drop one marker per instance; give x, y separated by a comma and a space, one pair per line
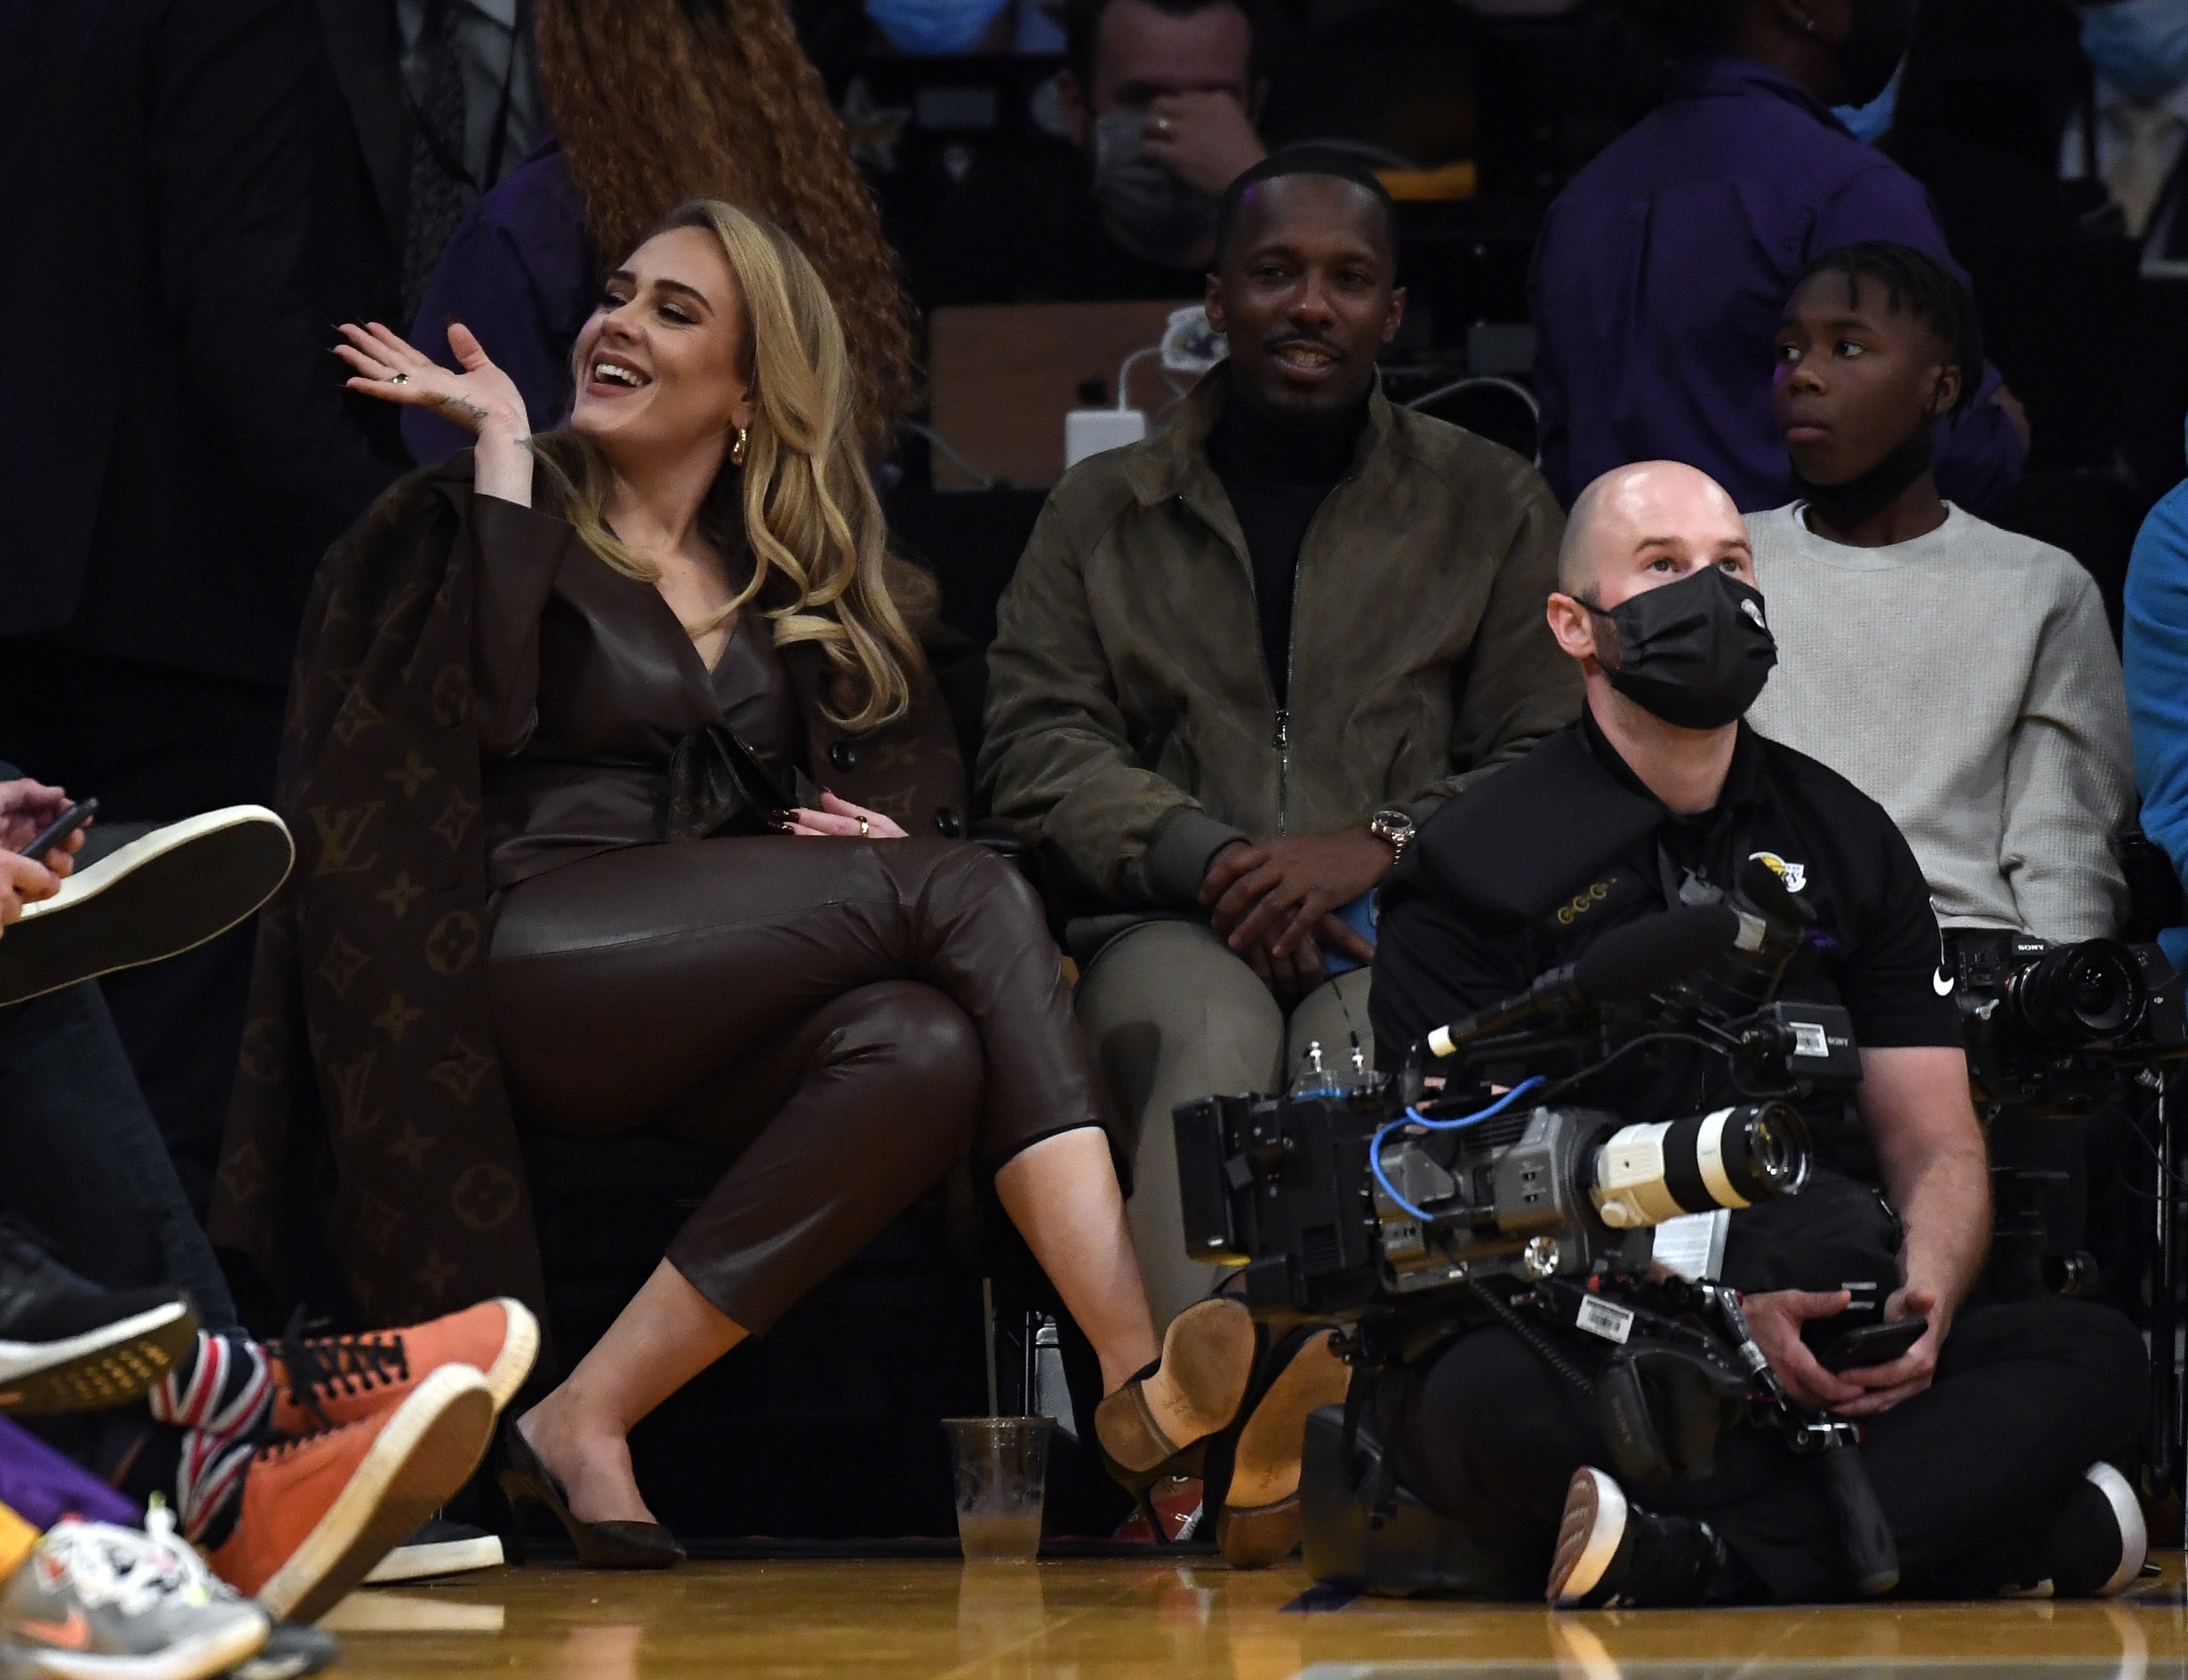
1395, 829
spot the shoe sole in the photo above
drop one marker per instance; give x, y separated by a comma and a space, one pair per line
2127, 1512
182, 884
208, 1654
1207, 1365
520, 1347
426, 1450
110, 1365
1266, 1465
442, 1557
1594, 1524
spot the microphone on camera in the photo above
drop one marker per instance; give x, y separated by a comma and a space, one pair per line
1764, 888
1626, 962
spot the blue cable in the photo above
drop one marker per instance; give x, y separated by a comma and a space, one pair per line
1414, 1116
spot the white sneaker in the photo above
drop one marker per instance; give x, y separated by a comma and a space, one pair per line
174, 888
438, 1547
94, 1602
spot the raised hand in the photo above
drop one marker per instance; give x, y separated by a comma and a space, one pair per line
481, 399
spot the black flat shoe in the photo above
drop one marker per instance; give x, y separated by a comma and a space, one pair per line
525, 1481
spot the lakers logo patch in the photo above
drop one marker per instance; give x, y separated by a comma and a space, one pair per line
1794, 875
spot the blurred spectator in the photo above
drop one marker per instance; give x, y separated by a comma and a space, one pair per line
176, 447
1661, 269
656, 102
2157, 686
2130, 136
1158, 99
445, 95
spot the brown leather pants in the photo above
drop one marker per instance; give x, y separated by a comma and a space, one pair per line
844, 1017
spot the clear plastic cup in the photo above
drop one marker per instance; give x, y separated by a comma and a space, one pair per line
1001, 1470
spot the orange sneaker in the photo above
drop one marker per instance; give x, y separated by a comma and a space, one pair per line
332, 1380
317, 1513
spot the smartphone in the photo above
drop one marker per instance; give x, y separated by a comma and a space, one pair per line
58, 830
1872, 1344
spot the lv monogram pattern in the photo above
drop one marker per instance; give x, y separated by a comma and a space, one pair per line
367, 1018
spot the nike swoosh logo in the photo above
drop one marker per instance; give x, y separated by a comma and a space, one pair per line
1942, 983
72, 1635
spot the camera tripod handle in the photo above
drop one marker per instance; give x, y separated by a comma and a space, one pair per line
1870, 1550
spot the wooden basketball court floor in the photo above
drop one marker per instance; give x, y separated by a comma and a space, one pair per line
1105, 1620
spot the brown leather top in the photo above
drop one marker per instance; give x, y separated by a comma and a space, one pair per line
585, 684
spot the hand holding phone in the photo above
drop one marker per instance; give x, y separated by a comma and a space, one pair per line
1872, 1344
56, 832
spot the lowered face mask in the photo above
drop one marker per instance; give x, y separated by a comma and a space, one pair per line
1870, 55
2140, 47
932, 28
1695, 653
1156, 215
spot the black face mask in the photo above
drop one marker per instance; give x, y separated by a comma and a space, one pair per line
1874, 46
1695, 653
1843, 506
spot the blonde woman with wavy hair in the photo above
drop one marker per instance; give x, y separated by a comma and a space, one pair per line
718, 785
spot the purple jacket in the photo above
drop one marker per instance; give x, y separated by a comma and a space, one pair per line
1663, 266
520, 273
41, 1487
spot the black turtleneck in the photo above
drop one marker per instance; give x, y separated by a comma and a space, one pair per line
1277, 471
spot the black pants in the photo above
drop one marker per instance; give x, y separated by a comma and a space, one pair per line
152, 744
82, 1162
1971, 1475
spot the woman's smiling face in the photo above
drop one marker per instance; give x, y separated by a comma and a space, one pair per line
661, 364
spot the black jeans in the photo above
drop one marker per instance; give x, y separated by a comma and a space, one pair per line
82, 1163
155, 745
1971, 1474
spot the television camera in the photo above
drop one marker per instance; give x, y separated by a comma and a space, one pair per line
1469, 1190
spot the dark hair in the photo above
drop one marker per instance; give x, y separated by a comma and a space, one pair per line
1689, 28
1082, 33
1914, 282
1309, 158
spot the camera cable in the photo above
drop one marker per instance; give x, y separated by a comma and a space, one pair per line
1413, 1116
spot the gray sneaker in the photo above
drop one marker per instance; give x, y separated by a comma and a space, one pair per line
94, 1602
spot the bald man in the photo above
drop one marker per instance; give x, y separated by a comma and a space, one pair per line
1661, 795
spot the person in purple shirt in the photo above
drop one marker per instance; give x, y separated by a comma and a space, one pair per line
1662, 266
519, 272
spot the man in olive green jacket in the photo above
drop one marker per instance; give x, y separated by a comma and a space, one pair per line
1241, 661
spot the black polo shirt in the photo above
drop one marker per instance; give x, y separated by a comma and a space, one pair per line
1530, 866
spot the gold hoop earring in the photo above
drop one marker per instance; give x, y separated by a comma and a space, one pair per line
737, 449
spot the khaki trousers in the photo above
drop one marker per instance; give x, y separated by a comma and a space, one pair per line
1172, 1015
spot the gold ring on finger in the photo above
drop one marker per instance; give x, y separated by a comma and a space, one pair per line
865, 829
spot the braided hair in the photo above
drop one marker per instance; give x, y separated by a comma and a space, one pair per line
1915, 283
659, 102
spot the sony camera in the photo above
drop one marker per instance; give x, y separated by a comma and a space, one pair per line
1345, 1206
1336, 1210
2058, 1029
